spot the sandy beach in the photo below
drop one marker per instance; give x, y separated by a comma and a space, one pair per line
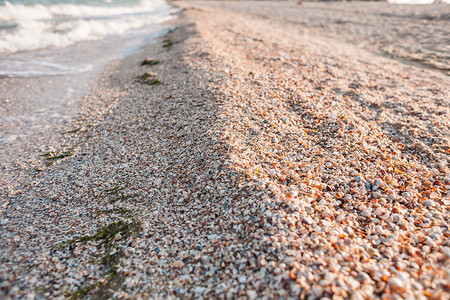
264, 151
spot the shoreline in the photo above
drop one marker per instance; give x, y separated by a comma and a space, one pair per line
267, 162
36, 107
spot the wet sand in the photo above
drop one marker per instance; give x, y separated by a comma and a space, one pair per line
270, 161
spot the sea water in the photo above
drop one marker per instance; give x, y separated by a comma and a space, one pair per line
53, 52
37, 24
27, 25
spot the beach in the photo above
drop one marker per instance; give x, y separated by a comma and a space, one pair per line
253, 151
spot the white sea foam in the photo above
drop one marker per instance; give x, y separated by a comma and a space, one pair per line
60, 25
17, 12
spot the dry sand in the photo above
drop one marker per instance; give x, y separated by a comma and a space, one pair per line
268, 163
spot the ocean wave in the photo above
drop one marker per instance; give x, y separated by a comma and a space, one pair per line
19, 12
38, 26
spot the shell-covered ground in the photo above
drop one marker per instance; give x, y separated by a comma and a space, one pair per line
252, 160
